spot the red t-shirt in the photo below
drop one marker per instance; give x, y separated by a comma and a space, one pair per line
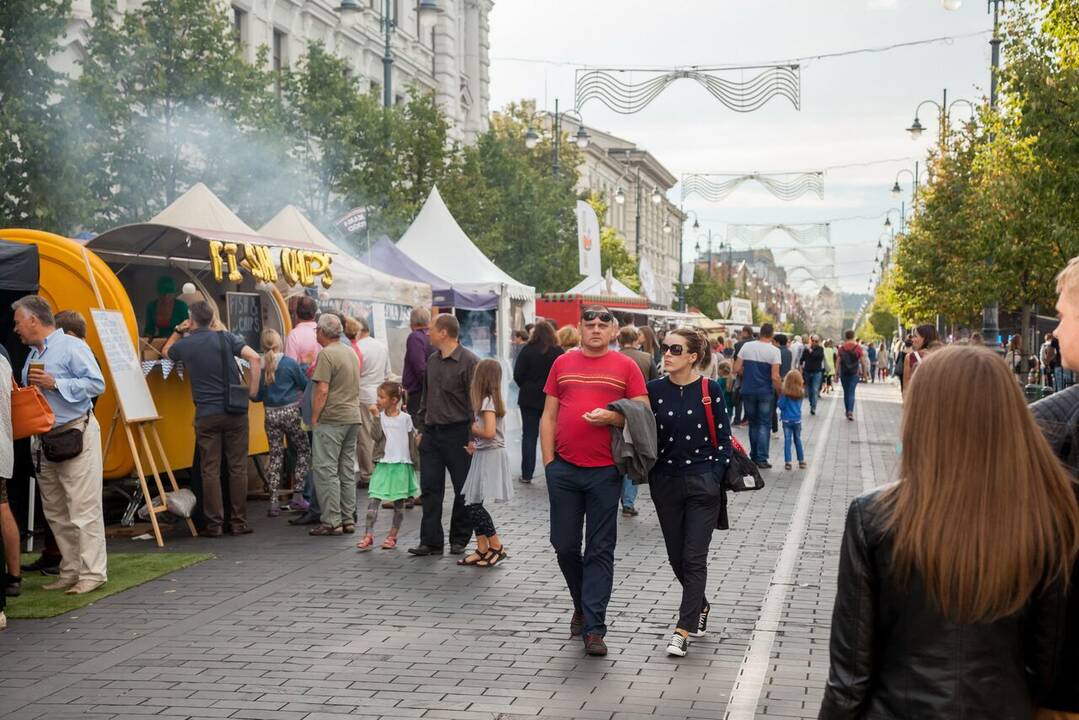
582, 384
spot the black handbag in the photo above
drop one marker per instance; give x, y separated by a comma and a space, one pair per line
741, 473
65, 442
236, 396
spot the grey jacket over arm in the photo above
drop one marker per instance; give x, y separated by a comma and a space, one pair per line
634, 447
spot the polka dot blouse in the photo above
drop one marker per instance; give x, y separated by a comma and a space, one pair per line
685, 445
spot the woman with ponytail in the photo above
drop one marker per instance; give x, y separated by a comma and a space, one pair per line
694, 439
281, 389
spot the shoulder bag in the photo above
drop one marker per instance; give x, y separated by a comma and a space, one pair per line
236, 399
742, 473
30, 412
65, 442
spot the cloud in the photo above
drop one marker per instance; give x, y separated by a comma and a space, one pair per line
881, 4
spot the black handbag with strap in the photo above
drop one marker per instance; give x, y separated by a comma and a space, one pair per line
65, 442
236, 397
741, 474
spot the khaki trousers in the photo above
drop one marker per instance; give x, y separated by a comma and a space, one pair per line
334, 462
71, 500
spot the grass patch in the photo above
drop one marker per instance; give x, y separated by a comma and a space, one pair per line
126, 570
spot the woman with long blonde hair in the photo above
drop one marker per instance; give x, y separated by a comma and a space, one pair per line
281, 389
951, 579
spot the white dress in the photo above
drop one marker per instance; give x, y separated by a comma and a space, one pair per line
489, 475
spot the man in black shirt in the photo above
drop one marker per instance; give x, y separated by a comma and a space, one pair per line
813, 371
445, 420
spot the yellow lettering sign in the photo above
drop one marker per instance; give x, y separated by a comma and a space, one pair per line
297, 266
257, 261
215, 259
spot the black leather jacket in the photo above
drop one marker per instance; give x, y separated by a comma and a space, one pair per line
893, 655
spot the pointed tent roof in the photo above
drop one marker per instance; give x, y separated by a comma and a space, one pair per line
438, 243
388, 258
199, 208
352, 279
598, 286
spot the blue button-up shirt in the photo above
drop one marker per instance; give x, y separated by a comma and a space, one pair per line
78, 378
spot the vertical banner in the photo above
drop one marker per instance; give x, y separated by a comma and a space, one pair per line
648, 280
688, 269
588, 239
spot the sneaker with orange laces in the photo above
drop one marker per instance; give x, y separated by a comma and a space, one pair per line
367, 543
390, 543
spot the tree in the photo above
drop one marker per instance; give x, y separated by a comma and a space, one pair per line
39, 186
705, 292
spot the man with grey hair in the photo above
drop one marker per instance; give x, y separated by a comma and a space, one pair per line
417, 350
375, 371
64, 369
335, 422
207, 355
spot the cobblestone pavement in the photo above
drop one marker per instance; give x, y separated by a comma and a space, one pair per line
282, 625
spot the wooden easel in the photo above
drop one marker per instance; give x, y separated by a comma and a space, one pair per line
140, 427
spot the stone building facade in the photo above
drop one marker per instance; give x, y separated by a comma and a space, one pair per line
448, 56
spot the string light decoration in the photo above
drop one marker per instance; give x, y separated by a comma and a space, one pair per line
715, 187
607, 86
753, 235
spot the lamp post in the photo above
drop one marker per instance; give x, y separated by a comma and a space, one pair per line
897, 189
581, 137
620, 198
388, 24
944, 108
991, 312
681, 243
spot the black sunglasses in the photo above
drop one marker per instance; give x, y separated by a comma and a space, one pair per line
675, 350
601, 315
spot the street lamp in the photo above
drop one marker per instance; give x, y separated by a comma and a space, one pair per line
657, 197
581, 138
620, 196
943, 108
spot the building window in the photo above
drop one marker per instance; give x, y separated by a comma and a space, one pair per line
239, 20
280, 57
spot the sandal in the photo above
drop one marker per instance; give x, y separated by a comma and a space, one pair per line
324, 530
348, 528
367, 543
802, 466
493, 557
390, 543
467, 559
786, 466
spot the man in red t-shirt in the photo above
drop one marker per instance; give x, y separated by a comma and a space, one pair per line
583, 483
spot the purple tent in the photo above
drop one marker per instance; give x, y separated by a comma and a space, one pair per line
386, 257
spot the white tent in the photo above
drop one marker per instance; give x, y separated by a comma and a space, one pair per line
603, 286
199, 208
358, 290
437, 242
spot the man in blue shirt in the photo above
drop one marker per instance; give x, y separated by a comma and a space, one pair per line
64, 369
758, 366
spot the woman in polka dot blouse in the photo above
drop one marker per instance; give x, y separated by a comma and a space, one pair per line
685, 483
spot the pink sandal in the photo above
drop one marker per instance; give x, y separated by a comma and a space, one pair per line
367, 543
390, 543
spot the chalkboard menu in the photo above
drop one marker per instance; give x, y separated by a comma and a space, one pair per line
245, 317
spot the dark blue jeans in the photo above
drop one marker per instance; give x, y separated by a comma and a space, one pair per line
584, 502
850, 384
759, 413
813, 383
792, 431
530, 420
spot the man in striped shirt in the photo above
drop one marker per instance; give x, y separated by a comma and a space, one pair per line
758, 366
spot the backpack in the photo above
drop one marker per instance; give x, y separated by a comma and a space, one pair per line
849, 363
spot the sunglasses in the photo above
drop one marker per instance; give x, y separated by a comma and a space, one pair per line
601, 315
675, 350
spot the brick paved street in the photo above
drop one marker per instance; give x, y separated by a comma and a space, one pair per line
282, 625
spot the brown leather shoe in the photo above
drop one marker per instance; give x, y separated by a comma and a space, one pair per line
576, 623
324, 530
594, 645
242, 530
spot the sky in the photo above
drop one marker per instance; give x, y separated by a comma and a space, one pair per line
854, 109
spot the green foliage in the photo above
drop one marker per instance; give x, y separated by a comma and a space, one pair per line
706, 291
39, 188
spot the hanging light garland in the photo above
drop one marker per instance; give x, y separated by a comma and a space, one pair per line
607, 86
715, 187
753, 235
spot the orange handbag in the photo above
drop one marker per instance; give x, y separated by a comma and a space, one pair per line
30, 413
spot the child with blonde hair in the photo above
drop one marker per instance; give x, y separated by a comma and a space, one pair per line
790, 413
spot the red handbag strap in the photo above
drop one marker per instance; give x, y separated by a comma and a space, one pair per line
706, 400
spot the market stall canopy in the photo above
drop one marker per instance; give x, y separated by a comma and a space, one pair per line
185, 229
18, 267
352, 279
388, 258
437, 242
603, 286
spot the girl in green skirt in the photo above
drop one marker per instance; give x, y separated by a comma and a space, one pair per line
396, 457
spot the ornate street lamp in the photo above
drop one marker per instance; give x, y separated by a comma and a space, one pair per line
581, 138
943, 108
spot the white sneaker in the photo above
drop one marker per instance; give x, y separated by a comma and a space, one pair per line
702, 623
678, 645
3, 620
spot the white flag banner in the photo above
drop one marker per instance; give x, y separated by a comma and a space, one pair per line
688, 269
810, 257
724, 307
588, 240
648, 280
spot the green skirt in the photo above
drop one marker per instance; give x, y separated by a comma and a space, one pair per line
393, 481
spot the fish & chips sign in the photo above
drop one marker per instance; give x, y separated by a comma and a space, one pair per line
298, 267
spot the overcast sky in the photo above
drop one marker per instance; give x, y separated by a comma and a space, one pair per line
854, 109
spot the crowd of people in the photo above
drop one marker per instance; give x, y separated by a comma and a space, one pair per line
960, 572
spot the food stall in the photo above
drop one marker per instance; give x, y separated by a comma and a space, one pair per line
383, 300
